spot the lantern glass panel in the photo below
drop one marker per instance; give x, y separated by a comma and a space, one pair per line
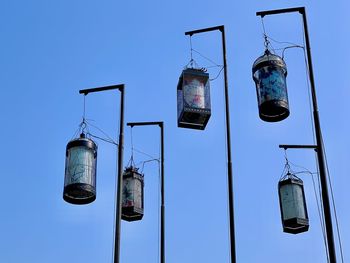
80, 166
196, 91
80, 171
292, 199
138, 194
128, 192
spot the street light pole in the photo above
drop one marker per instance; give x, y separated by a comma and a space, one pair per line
120, 163
162, 215
228, 139
319, 143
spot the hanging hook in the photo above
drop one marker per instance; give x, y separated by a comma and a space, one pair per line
287, 165
83, 124
132, 163
266, 38
266, 43
191, 51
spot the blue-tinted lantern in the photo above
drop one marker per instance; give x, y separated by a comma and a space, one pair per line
193, 99
293, 205
80, 171
132, 195
269, 74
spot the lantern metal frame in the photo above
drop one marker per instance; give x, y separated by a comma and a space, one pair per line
91, 145
299, 224
162, 203
319, 142
280, 106
188, 116
128, 212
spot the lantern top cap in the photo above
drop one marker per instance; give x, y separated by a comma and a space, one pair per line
132, 171
196, 70
192, 71
290, 178
82, 141
269, 59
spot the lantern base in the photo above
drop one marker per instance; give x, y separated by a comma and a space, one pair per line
131, 214
274, 110
194, 118
295, 225
79, 194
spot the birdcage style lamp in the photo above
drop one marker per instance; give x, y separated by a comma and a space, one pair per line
269, 74
80, 171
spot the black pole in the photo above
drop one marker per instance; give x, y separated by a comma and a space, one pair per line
320, 148
297, 146
120, 163
228, 140
162, 208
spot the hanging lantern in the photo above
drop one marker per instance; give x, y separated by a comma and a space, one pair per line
80, 171
269, 74
132, 200
293, 205
193, 99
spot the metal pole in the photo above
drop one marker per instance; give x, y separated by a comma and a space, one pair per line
162, 207
228, 141
320, 149
120, 164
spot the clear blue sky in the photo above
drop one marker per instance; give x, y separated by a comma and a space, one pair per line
51, 49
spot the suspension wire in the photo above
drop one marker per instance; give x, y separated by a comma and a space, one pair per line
84, 107
309, 91
323, 220
288, 47
333, 203
83, 123
146, 154
218, 75
131, 161
315, 192
191, 51
208, 59
283, 42
102, 139
216, 65
100, 130
318, 202
147, 161
266, 38
263, 25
